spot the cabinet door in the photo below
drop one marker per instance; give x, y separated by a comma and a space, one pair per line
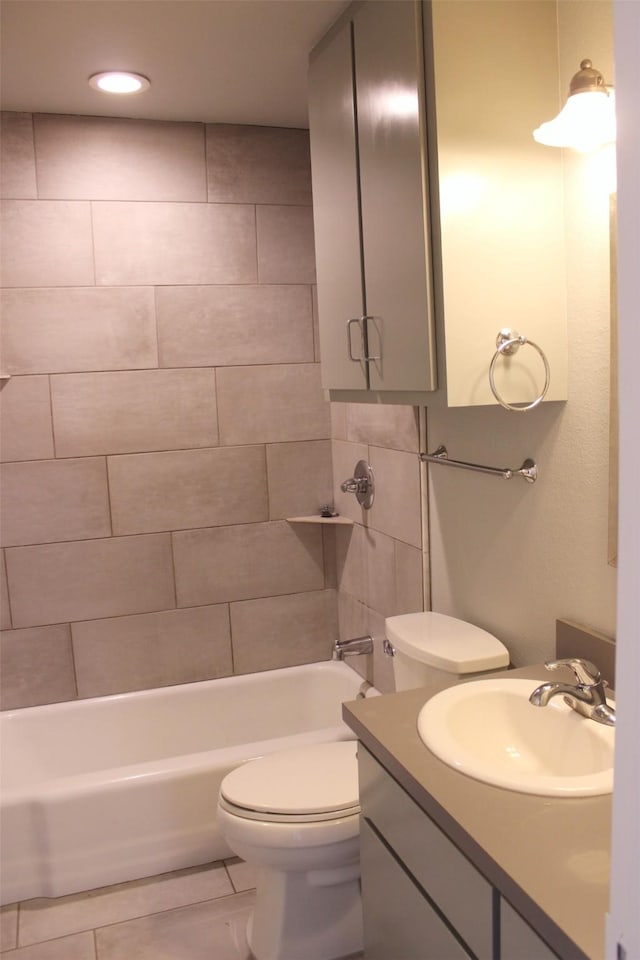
399, 922
390, 89
336, 209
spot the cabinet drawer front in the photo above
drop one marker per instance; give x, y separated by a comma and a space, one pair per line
460, 892
399, 922
518, 941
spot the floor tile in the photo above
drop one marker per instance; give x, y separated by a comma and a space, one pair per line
215, 929
8, 926
43, 919
80, 946
242, 874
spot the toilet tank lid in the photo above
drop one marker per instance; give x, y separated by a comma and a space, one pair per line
446, 642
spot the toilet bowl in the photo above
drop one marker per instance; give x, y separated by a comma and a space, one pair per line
295, 816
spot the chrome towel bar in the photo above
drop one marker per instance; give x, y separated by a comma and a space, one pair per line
528, 470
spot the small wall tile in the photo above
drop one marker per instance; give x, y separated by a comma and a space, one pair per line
300, 479
252, 164
25, 414
78, 329
174, 243
90, 579
190, 488
107, 158
126, 412
46, 244
286, 252
151, 650
283, 631
37, 666
247, 561
396, 509
5, 610
50, 500
17, 158
234, 325
391, 426
268, 404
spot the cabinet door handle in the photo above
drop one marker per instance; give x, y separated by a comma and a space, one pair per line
360, 322
364, 356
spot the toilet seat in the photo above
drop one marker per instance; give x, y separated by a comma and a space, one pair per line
300, 785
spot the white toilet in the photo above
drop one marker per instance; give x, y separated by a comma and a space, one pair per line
295, 814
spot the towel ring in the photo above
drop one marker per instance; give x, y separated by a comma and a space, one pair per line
508, 343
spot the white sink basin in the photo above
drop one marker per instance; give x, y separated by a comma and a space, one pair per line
488, 730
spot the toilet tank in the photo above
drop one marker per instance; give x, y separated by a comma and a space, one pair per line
434, 651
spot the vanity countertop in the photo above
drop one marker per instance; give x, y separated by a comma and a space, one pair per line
549, 857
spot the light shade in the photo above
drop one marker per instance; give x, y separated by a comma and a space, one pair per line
119, 81
587, 120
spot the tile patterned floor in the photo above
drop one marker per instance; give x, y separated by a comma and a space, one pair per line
194, 914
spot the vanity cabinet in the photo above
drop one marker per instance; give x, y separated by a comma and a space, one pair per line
367, 120
438, 219
422, 899
450, 902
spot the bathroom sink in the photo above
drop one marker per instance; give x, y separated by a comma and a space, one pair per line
488, 730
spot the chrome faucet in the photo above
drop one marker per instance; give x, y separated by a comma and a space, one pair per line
587, 696
348, 648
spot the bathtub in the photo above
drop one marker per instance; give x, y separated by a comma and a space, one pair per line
115, 788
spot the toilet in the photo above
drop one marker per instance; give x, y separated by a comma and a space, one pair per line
295, 814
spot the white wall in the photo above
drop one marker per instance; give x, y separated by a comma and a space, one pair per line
510, 556
624, 921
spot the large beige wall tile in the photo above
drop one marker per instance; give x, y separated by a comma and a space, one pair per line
51, 500
344, 457
5, 611
268, 404
78, 329
251, 164
283, 631
89, 579
234, 325
300, 478
106, 158
37, 666
351, 561
381, 573
247, 561
189, 488
409, 580
173, 243
151, 650
46, 244
383, 425
396, 508
17, 157
25, 419
134, 411
286, 252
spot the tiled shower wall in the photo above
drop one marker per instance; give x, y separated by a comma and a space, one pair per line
164, 412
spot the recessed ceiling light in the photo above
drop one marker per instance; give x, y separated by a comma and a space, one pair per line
118, 81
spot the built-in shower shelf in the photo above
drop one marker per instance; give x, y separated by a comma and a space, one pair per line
317, 519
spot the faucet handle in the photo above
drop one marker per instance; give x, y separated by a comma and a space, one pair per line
586, 673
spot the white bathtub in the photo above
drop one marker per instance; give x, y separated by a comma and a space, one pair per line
99, 791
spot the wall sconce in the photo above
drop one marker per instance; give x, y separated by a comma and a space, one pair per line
588, 119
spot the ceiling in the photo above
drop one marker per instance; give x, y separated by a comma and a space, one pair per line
226, 61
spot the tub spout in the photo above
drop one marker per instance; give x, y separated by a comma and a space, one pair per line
348, 648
